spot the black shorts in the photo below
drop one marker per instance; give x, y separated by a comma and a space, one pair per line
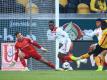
97, 50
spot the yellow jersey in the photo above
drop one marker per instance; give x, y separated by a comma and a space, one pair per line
103, 41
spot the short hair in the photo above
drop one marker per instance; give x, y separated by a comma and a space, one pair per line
98, 19
51, 21
17, 33
103, 25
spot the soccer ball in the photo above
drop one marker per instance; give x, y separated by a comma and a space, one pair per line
66, 66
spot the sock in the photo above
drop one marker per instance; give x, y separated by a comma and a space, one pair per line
68, 58
23, 62
84, 56
51, 65
102, 60
98, 61
73, 58
105, 64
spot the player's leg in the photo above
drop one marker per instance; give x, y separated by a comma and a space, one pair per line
103, 54
64, 58
71, 58
87, 55
23, 62
98, 59
69, 46
50, 64
22, 56
38, 57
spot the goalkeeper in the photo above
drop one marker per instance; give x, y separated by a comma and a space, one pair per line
26, 46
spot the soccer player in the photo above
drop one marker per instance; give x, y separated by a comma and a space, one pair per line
65, 44
97, 32
27, 47
100, 47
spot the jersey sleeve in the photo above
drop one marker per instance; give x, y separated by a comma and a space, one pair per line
34, 43
61, 33
103, 38
95, 32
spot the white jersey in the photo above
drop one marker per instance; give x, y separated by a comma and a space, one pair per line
97, 32
62, 37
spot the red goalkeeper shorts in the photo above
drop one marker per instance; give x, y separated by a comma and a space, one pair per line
33, 54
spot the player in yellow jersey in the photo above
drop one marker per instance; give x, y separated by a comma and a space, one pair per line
100, 47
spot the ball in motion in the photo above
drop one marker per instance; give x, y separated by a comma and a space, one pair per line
66, 66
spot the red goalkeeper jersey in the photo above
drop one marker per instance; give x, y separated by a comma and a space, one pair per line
26, 45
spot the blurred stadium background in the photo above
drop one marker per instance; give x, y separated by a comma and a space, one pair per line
31, 18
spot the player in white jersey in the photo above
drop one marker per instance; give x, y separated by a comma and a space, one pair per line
97, 32
65, 44
62, 38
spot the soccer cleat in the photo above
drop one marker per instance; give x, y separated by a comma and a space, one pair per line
60, 69
100, 68
12, 64
26, 69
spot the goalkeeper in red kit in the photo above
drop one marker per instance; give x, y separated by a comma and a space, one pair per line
27, 48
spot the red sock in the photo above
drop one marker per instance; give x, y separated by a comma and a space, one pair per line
23, 62
105, 64
51, 65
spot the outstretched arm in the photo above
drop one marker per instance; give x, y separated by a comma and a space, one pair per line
37, 45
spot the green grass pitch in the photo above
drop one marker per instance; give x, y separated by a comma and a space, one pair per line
53, 75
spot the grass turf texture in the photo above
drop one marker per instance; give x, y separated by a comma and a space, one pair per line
53, 75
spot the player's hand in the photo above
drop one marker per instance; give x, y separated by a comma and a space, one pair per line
43, 49
21, 55
92, 47
12, 64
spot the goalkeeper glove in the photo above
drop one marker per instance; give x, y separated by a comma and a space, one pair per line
43, 49
12, 64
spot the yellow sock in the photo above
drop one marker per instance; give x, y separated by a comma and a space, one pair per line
84, 56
